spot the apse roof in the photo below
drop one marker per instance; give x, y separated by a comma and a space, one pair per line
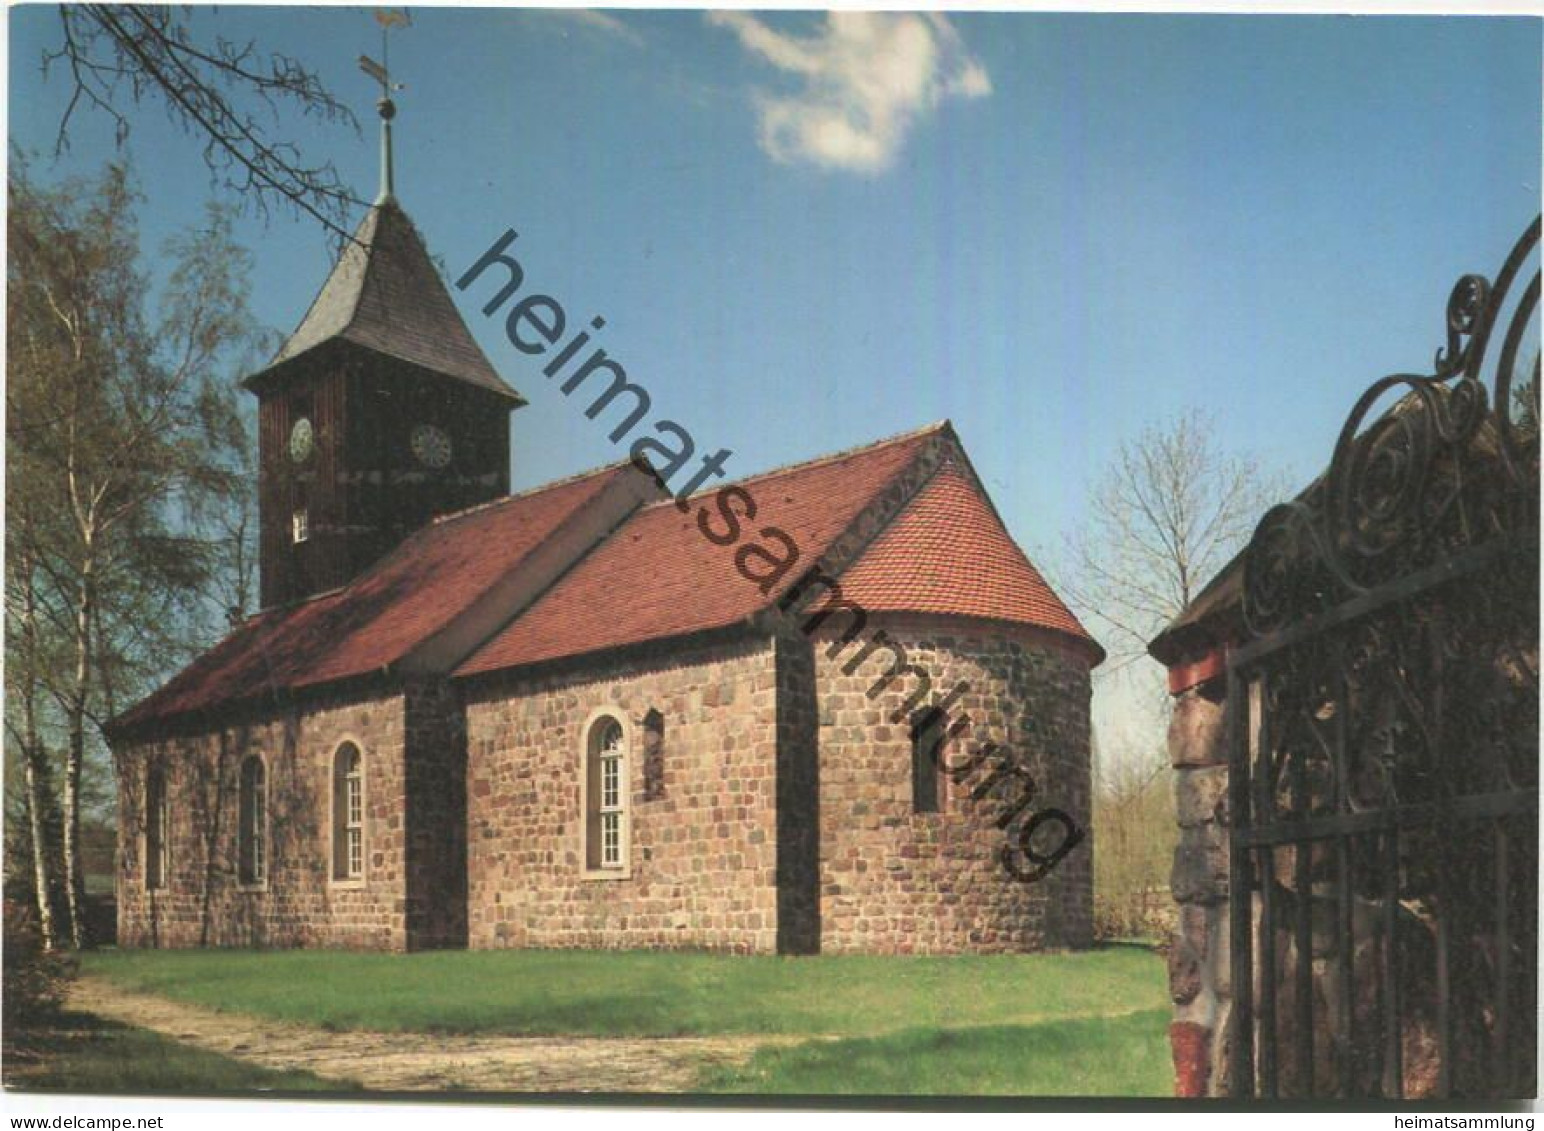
659, 576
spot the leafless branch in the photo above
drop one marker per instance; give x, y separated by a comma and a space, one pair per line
1171, 511
118, 53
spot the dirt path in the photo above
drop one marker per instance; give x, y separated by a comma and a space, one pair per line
414, 1062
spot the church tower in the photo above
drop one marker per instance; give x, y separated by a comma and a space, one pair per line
378, 413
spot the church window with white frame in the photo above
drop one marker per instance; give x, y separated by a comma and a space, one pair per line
348, 813
252, 821
606, 796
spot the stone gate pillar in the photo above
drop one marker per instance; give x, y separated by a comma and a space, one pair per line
1198, 955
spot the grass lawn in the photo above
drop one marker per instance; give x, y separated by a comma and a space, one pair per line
1093, 1056
85, 1054
646, 993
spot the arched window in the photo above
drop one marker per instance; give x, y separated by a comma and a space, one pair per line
348, 813
252, 822
927, 758
155, 827
606, 796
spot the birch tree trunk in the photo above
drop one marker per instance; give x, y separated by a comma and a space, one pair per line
35, 767
41, 879
74, 879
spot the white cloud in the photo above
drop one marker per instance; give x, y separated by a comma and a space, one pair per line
864, 80
597, 21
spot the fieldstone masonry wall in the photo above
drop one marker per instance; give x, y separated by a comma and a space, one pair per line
1198, 957
435, 815
770, 806
798, 797
703, 854
202, 902
897, 881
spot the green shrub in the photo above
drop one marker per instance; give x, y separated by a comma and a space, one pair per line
35, 979
1134, 838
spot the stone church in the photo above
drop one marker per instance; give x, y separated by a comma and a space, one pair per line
572, 717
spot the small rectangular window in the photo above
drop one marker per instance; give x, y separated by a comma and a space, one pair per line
300, 525
927, 740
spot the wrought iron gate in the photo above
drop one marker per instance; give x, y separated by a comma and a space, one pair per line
1383, 715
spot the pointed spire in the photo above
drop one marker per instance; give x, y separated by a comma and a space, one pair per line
381, 73
388, 110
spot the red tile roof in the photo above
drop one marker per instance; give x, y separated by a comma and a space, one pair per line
659, 576
656, 576
948, 552
398, 603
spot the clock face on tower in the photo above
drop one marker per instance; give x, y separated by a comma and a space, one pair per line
301, 440
431, 446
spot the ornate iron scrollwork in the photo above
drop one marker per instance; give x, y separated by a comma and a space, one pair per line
1436, 473
1383, 768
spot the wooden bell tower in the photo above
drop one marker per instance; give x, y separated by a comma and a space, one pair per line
378, 413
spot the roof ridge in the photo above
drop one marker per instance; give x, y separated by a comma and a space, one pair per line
286, 606
567, 480
937, 426
781, 469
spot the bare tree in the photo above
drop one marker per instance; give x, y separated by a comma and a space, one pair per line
1172, 510
229, 93
237, 552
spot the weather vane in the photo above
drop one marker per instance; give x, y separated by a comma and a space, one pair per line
388, 18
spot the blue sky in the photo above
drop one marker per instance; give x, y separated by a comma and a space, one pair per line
1053, 229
